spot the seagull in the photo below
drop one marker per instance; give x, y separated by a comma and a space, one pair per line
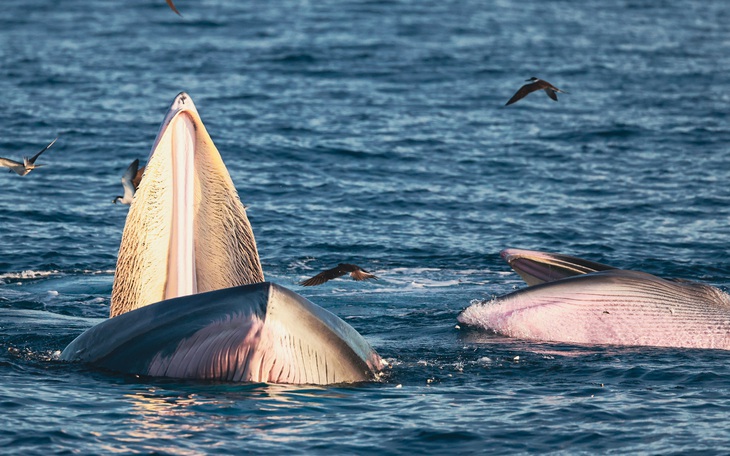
130, 181
356, 272
172, 7
28, 165
535, 84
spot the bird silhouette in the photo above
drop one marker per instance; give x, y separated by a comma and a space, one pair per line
355, 271
535, 84
27, 165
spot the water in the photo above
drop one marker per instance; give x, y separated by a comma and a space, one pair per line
373, 132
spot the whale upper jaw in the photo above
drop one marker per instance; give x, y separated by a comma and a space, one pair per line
186, 193
539, 267
181, 104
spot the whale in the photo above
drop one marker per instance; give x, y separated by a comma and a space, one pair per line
189, 299
262, 333
572, 300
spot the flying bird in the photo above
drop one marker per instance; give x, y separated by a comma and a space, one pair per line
130, 181
172, 7
535, 84
28, 164
356, 272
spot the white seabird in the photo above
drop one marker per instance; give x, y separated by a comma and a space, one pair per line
130, 181
28, 164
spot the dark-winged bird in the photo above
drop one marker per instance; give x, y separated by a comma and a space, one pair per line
172, 7
355, 271
28, 163
535, 84
130, 181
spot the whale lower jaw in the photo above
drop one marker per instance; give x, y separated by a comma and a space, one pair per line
252, 333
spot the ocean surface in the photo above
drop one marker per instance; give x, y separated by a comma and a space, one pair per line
374, 132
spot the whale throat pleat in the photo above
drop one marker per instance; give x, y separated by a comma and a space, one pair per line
611, 307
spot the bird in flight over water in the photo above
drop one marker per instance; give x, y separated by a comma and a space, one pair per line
27, 165
535, 84
172, 7
356, 272
130, 181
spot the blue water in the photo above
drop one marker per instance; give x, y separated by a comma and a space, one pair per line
373, 132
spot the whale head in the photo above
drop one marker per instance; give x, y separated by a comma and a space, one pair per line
186, 231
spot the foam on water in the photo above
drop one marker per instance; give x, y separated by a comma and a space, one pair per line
26, 275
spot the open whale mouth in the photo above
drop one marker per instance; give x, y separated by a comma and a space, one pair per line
187, 230
175, 144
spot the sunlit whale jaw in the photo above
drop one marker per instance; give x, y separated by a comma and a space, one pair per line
186, 231
609, 306
253, 333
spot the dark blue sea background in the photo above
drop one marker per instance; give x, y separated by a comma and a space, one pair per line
374, 132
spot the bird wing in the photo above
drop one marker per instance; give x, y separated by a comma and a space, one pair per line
552, 87
131, 171
34, 157
551, 93
19, 168
324, 276
127, 183
172, 7
523, 92
361, 274
138, 178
